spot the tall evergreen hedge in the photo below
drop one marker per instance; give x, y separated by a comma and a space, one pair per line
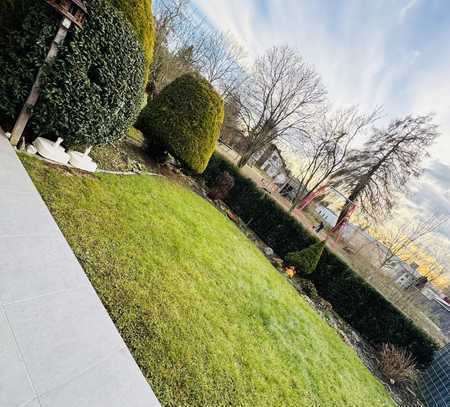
367, 311
363, 307
262, 214
93, 91
139, 14
185, 119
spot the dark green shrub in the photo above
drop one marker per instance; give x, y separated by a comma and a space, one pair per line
93, 91
224, 184
306, 287
364, 308
185, 119
11, 14
265, 217
139, 14
306, 260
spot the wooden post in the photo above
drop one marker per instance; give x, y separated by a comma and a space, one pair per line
33, 97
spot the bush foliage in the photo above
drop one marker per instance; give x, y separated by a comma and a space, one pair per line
263, 215
306, 287
366, 310
185, 118
92, 92
396, 364
306, 260
139, 14
224, 184
352, 298
11, 14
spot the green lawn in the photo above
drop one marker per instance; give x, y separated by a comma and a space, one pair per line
208, 319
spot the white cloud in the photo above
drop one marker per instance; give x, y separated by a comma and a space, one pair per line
406, 9
364, 54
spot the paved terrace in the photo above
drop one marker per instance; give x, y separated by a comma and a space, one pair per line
58, 346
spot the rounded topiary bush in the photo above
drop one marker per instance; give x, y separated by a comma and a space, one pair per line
185, 119
92, 92
139, 14
305, 261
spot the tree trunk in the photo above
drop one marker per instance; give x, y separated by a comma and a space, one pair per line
244, 159
350, 201
299, 198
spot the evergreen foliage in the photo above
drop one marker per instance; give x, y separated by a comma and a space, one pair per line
305, 261
92, 92
185, 119
139, 14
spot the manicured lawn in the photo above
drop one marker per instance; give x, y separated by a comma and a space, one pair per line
208, 319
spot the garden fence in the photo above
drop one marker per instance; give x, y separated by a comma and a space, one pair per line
435, 381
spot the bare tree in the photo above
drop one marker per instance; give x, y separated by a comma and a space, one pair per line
185, 42
169, 18
323, 154
372, 176
220, 61
398, 241
281, 95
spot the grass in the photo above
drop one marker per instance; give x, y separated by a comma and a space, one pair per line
207, 318
136, 135
123, 155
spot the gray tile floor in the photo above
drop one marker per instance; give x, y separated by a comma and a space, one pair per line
58, 346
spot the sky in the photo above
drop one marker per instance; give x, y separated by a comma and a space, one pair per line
390, 53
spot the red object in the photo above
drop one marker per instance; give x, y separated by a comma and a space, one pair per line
311, 196
343, 222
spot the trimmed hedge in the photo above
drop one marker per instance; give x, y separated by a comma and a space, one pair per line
93, 91
363, 307
366, 310
139, 14
262, 214
185, 119
306, 260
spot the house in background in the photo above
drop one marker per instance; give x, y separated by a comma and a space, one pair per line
290, 187
405, 275
326, 215
271, 161
439, 306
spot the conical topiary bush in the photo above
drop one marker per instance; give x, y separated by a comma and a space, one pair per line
305, 261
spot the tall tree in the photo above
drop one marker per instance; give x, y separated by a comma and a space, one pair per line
323, 154
373, 175
281, 95
186, 42
220, 61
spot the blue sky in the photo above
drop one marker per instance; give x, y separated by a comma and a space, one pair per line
394, 53
390, 53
